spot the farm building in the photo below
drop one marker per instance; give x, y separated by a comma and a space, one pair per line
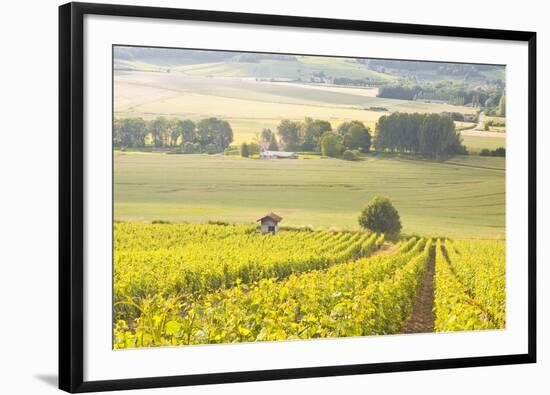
269, 223
278, 155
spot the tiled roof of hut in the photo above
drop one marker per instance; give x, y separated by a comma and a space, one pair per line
274, 217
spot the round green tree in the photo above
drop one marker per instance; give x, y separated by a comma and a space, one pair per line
380, 216
357, 137
331, 145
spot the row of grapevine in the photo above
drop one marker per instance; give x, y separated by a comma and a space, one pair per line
480, 266
211, 257
150, 237
368, 296
454, 309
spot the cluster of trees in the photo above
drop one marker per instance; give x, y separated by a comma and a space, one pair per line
455, 116
302, 135
209, 135
312, 135
428, 134
402, 92
317, 135
447, 91
350, 139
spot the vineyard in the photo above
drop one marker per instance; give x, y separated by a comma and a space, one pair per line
182, 284
470, 289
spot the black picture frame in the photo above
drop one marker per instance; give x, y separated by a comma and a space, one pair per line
71, 204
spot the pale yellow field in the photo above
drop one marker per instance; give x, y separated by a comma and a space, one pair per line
251, 105
367, 91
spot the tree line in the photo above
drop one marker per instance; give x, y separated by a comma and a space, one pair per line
447, 91
210, 135
428, 134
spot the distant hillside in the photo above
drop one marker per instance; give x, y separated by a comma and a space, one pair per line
305, 68
168, 56
350, 71
431, 71
234, 64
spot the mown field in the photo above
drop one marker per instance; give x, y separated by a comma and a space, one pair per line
183, 284
462, 197
250, 105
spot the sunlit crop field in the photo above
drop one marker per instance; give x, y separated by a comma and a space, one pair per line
184, 284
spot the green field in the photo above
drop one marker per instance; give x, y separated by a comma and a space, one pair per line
463, 197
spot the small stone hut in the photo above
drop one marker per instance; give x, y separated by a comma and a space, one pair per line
269, 223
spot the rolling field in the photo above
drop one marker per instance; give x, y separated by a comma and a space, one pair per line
251, 105
463, 197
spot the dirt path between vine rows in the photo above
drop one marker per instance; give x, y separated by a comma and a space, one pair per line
387, 249
422, 317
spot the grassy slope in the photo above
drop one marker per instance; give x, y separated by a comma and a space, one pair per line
461, 198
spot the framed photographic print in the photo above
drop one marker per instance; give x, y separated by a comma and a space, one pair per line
253, 197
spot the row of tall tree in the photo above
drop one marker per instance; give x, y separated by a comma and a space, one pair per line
428, 134
208, 135
302, 135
